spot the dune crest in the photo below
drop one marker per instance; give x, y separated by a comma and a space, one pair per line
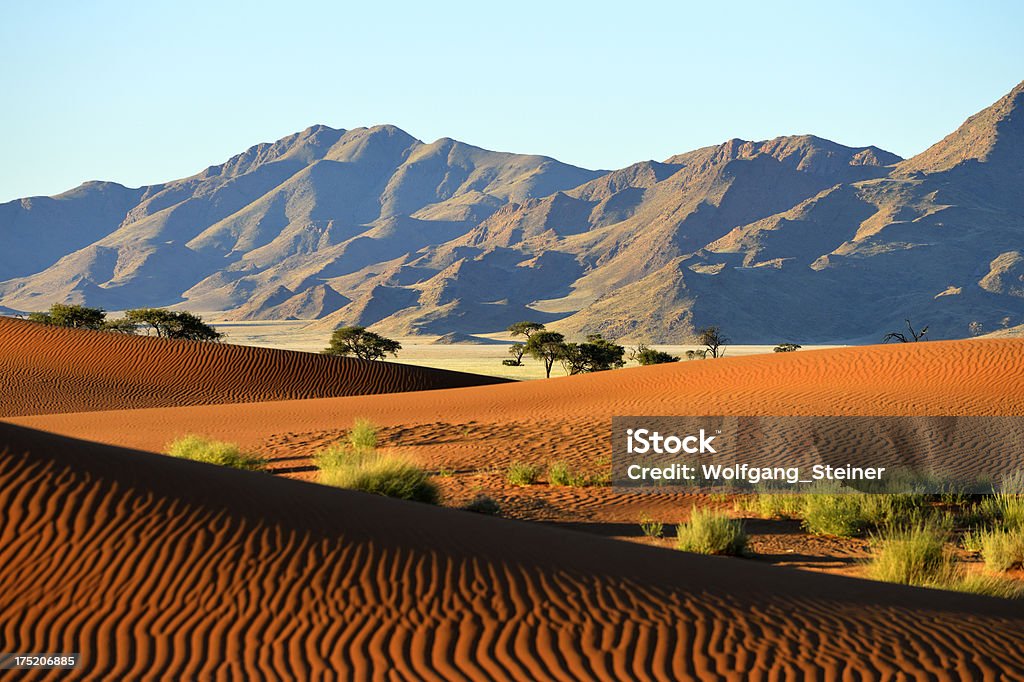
49, 369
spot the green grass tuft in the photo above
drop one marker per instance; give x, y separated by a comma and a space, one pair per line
386, 475
559, 473
522, 474
363, 435
650, 527
839, 514
1002, 549
913, 556
710, 532
200, 449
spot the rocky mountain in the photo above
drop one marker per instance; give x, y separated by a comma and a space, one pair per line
796, 238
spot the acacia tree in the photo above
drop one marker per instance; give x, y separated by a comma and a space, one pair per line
546, 347
516, 350
787, 347
172, 325
525, 328
597, 354
903, 338
713, 340
73, 316
649, 356
363, 344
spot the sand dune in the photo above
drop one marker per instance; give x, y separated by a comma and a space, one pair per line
160, 568
569, 418
49, 369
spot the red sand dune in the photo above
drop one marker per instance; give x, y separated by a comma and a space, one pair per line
569, 418
158, 568
48, 369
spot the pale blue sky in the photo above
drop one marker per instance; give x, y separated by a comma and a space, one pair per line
142, 92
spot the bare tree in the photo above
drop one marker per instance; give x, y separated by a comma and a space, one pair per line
903, 338
713, 340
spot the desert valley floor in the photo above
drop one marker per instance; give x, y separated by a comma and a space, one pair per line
154, 567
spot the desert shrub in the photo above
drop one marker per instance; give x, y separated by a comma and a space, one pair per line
838, 514
1012, 483
988, 585
200, 449
482, 504
338, 454
889, 510
913, 556
771, 505
560, 473
363, 435
1002, 549
387, 475
710, 532
1002, 510
522, 473
650, 527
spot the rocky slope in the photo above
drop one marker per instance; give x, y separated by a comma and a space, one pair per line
796, 238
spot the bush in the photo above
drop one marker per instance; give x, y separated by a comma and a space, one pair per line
200, 449
649, 356
891, 510
482, 504
363, 435
989, 585
389, 476
559, 473
772, 505
337, 455
710, 532
650, 527
1002, 549
521, 474
839, 514
913, 556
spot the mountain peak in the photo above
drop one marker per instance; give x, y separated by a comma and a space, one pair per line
994, 134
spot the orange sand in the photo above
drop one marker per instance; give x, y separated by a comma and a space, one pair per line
154, 567
48, 369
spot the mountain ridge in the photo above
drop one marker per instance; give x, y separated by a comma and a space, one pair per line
796, 237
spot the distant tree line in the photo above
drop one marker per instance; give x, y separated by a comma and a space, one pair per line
149, 321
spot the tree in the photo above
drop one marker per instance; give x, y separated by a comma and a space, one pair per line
516, 350
73, 316
547, 347
172, 325
121, 326
787, 347
363, 344
595, 355
712, 338
694, 354
525, 328
649, 356
976, 328
903, 338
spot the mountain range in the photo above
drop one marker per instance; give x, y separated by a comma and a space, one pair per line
792, 239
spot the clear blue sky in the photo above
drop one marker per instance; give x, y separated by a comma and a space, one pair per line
142, 92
